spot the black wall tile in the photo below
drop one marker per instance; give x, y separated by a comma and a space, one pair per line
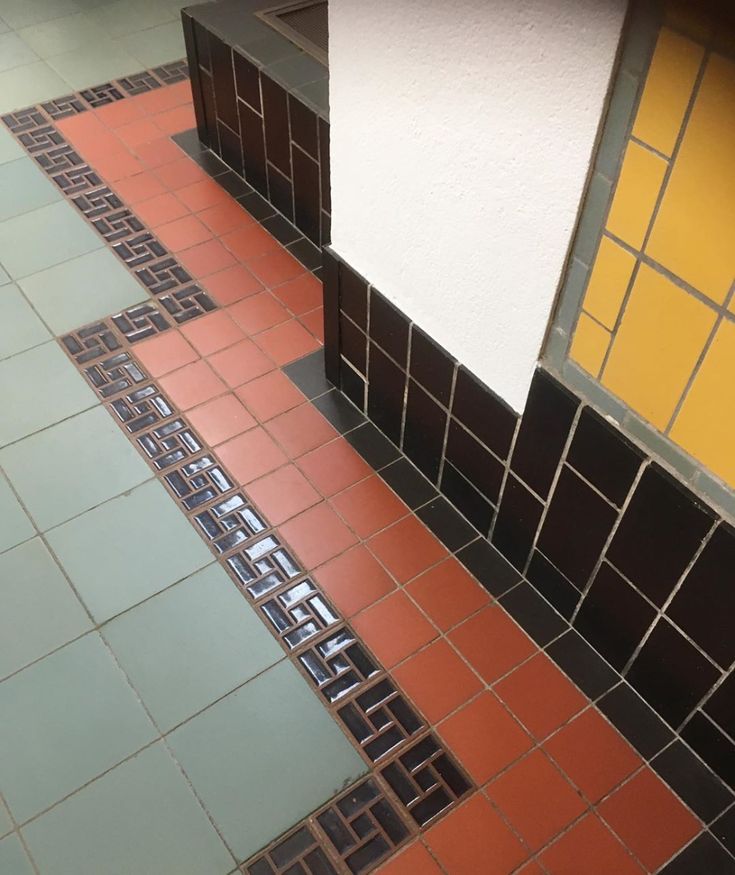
386, 383
353, 296
247, 80
331, 287
354, 386
230, 148
518, 519
483, 413
408, 483
224, 82
613, 617
187, 25
585, 666
603, 456
280, 191
209, 111
354, 344
324, 164
671, 674
473, 461
423, 435
308, 374
704, 606
338, 411
326, 226
253, 147
447, 524
275, 115
721, 705
724, 829
201, 40
544, 429
388, 327
577, 525
374, 447
553, 585
703, 855
304, 127
638, 723
463, 495
533, 613
306, 194
702, 790
659, 533
492, 570
431, 365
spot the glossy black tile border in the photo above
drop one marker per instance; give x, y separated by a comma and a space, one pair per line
614, 543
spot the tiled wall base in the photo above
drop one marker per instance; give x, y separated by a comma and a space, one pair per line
636, 563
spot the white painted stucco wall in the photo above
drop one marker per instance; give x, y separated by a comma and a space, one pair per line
461, 135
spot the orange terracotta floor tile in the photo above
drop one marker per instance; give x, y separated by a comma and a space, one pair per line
354, 580
225, 216
438, 681
164, 353
163, 99
117, 165
649, 819
593, 754
269, 395
180, 118
158, 153
533, 868
232, 283
473, 840
302, 294
239, 363
206, 258
334, 466
369, 506
317, 535
589, 846
536, 799
221, 419
178, 173
394, 628
183, 233
407, 548
314, 322
192, 385
201, 195
258, 312
287, 342
160, 209
276, 267
448, 593
211, 333
301, 429
120, 112
141, 187
485, 737
137, 132
251, 455
251, 241
413, 860
492, 643
283, 493
541, 696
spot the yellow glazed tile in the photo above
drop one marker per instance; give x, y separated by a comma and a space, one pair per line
660, 338
635, 196
694, 232
668, 87
589, 345
608, 282
705, 426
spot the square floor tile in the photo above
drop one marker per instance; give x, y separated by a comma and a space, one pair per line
73, 466
6, 824
282, 494
99, 62
23, 187
130, 16
221, 419
369, 506
13, 858
10, 149
128, 549
20, 13
140, 817
407, 548
31, 83
62, 35
589, 847
190, 645
265, 757
44, 237
492, 643
317, 535
14, 52
157, 45
38, 388
67, 718
38, 609
394, 628
448, 593
16, 526
20, 327
82, 290
334, 466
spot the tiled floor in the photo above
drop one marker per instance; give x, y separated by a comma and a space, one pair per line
152, 721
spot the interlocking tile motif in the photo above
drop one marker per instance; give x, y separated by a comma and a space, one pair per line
23, 120
76, 180
99, 95
199, 481
426, 780
92, 342
298, 613
139, 83
142, 408
97, 202
138, 249
188, 303
298, 854
40, 139
339, 665
64, 106
120, 225
118, 373
230, 523
162, 276
137, 323
262, 566
174, 72
170, 444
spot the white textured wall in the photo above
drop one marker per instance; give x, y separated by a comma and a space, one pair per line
461, 133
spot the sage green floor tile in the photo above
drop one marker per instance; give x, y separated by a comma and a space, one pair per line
6, 824
38, 388
15, 527
44, 237
157, 45
62, 35
129, 16
264, 757
22, 13
128, 549
14, 52
82, 290
10, 149
66, 719
23, 187
4, 278
3, 26
20, 327
30, 83
97, 63
38, 609
139, 819
13, 858
190, 645
72, 467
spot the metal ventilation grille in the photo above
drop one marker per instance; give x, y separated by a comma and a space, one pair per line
304, 23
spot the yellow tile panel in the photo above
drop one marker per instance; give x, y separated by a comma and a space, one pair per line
668, 87
660, 338
608, 282
589, 345
694, 232
635, 196
705, 426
